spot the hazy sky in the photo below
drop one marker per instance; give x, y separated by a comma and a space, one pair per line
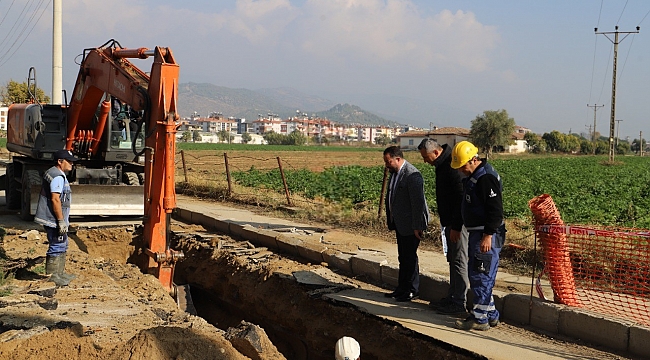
539, 60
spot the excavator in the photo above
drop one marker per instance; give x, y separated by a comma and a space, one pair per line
117, 115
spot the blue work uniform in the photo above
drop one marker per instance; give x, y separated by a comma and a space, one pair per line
482, 210
54, 181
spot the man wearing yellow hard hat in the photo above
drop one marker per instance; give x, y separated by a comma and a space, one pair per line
482, 211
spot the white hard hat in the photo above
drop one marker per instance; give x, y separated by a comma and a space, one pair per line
347, 349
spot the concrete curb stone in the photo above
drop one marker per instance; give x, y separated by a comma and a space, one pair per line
433, 286
389, 274
341, 261
266, 238
595, 328
235, 229
311, 252
639, 343
288, 244
367, 265
498, 296
248, 232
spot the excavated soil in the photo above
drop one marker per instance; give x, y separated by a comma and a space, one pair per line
125, 314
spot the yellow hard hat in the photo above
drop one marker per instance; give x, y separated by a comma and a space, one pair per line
463, 152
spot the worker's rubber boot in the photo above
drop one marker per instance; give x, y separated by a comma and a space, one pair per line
62, 274
52, 269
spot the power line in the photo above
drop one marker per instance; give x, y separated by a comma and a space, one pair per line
6, 56
622, 11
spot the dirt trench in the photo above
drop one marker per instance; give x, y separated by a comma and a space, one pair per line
227, 289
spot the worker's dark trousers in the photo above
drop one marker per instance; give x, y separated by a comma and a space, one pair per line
409, 268
482, 274
457, 259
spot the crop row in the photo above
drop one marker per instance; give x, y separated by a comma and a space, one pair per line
586, 190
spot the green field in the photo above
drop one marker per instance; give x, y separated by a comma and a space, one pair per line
586, 189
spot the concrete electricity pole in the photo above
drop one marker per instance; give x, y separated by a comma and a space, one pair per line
618, 127
593, 135
613, 112
57, 53
641, 143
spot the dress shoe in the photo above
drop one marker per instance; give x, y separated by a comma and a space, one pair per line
407, 297
393, 294
440, 303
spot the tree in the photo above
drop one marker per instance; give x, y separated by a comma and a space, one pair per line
535, 143
224, 135
492, 129
635, 145
15, 92
273, 138
296, 138
382, 139
622, 148
196, 136
246, 137
186, 137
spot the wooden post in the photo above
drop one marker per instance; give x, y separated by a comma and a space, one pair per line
225, 157
383, 191
184, 167
284, 181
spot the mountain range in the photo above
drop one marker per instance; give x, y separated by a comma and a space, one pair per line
370, 109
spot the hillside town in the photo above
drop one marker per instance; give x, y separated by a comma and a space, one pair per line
407, 137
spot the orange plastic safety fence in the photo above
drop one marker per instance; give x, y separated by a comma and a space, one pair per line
598, 268
556, 253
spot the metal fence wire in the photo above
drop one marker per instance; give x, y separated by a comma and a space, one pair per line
602, 269
218, 170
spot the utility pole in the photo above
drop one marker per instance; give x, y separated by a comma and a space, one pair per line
57, 53
613, 112
641, 143
593, 135
618, 127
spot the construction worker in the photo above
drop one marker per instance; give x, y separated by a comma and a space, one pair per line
53, 213
482, 211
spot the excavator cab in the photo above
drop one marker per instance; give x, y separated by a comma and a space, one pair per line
123, 128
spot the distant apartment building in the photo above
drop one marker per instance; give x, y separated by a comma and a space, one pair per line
311, 127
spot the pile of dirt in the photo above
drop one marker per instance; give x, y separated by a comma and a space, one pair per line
110, 311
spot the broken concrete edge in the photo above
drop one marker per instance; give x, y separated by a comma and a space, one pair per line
521, 309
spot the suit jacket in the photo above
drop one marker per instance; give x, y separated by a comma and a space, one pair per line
409, 207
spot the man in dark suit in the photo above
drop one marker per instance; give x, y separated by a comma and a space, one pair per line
406, 213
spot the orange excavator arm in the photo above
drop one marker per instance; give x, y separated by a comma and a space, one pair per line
103, 70
107, 70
